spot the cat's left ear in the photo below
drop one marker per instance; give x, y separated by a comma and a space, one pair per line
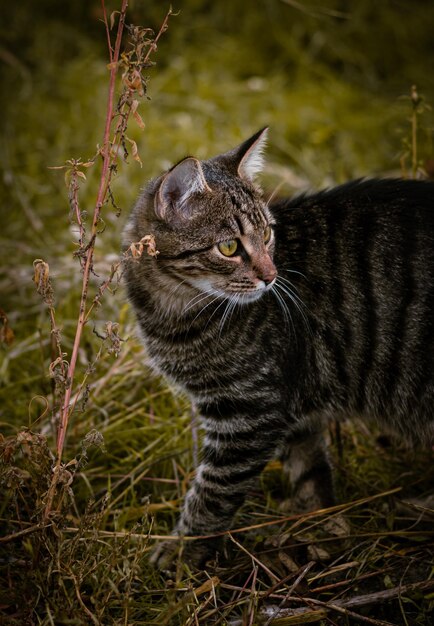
250, 155
178, 185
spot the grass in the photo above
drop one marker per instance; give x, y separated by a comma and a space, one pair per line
132, 449
91, 562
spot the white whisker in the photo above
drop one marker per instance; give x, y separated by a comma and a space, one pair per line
172, 291
202, 309
198, 298
225, 299
292, 289
292, 272
286, 312
227, 315
228, 306
294, 297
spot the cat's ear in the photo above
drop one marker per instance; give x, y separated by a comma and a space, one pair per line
178, 185
250, 155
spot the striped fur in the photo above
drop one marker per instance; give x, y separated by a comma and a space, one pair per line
346, 328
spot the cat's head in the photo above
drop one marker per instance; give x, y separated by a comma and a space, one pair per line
213, 230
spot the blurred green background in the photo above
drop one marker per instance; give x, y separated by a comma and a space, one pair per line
332, 79
327, 77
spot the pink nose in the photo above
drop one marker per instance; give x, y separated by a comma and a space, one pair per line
266, 271
269, 275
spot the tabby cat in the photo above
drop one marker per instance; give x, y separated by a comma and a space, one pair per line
277, 317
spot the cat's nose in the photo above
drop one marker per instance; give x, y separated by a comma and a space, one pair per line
269, 276
264, 269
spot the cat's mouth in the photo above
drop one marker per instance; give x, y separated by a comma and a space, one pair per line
235, 294
244, 295
247, 295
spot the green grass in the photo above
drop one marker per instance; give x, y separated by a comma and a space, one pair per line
329, 89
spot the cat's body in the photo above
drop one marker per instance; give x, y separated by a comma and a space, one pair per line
345, 328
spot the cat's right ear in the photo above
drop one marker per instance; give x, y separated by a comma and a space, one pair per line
251, 155
178, 185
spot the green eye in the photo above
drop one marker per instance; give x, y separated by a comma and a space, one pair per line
229, 247
267, 234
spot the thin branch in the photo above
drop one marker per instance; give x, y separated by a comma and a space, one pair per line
107, 30
254, 558
344, 606
89, 258
297, 581
21, 533
65, 411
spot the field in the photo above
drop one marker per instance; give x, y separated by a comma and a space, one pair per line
334, 83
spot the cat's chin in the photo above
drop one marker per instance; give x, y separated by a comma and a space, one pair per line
241, 297
252, 297
248, 297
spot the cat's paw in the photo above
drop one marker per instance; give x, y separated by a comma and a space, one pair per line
307, 497
196, 553
165, 555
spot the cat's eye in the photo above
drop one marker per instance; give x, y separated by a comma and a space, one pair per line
229, 247
267, 234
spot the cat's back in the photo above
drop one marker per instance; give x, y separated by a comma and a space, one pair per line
361, 258
381, 201
363, 229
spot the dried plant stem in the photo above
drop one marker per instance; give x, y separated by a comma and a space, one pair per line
102, 190
97, 299
344, 606
415, 102
163, 28
254, 558
301, 575
134, 62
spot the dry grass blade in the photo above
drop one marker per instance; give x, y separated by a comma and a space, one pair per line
254, 558
294, 585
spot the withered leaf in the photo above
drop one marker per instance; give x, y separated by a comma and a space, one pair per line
113, 17
134, 150
136, 115
6, 332
41, 275
137, 248
207, 586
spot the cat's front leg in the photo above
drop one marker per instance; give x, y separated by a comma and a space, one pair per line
231, 464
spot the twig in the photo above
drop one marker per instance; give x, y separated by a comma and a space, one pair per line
163, 29
88, 612
65, 412
415, 100
254, 558
294, 585
89, 257
107, 30
253, 596
353, 581
344, 606
134, 62
21, 533
386, 594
